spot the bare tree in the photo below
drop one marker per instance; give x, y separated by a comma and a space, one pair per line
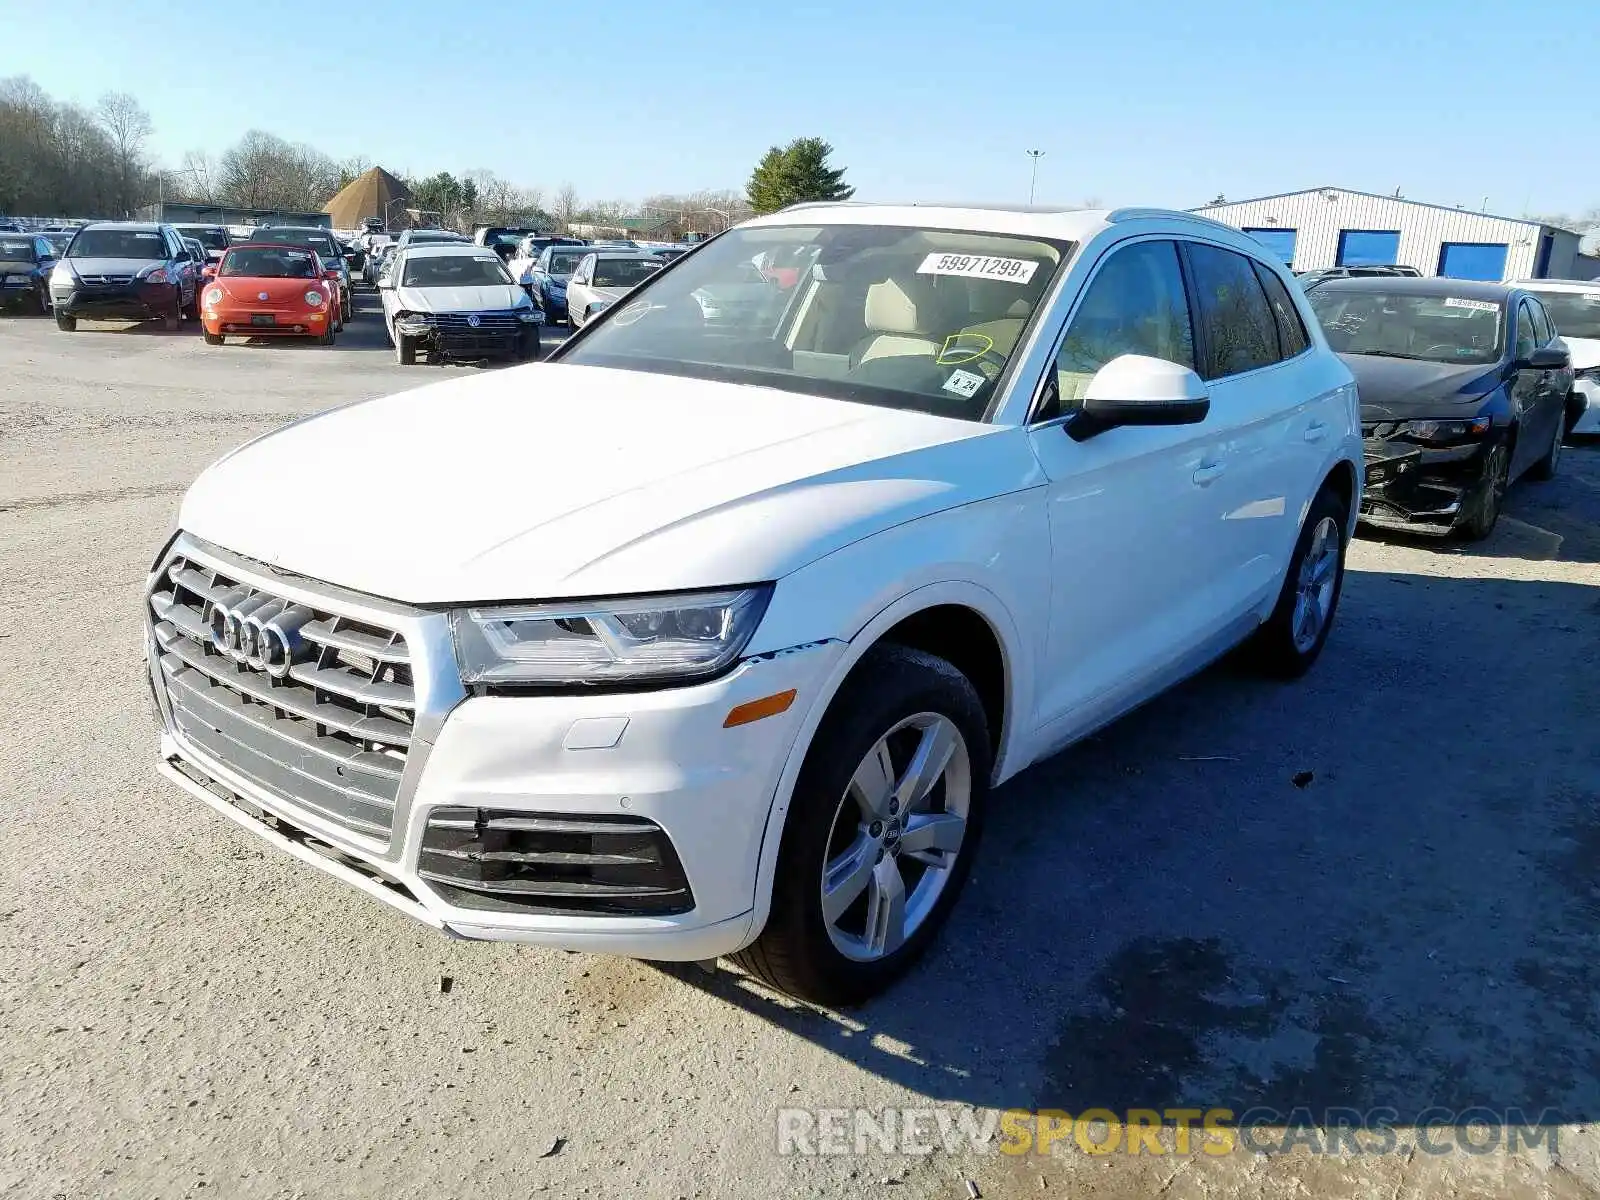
128, 126
198, 178
564, 206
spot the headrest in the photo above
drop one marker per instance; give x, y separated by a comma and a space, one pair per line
914, 305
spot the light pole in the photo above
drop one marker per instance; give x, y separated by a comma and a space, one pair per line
1033, 178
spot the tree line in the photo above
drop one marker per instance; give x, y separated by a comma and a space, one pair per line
59, 159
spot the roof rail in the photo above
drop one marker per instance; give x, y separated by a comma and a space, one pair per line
1167, 214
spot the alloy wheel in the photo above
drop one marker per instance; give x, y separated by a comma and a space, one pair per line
896, 836
1315, 584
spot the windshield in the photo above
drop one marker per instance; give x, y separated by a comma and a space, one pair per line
623, 272
510, 237
320, 242
211, 239
1576, 314
1445, 329
567, 263
286, 263
119, 243
14, 249
58, 241
913, 318
453, 270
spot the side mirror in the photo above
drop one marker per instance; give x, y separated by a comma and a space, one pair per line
1549, 358
385, 284
1133, 389
209, 271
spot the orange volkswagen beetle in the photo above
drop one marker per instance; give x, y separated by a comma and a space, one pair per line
270, 290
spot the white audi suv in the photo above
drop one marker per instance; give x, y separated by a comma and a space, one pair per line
715, 638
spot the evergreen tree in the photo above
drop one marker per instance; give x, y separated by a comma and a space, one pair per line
794, 174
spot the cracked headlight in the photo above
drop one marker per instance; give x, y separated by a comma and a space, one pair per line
648, 639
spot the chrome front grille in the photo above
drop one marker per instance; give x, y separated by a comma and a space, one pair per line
307, 703
501, 323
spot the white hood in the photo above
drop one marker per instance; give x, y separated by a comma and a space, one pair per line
1585, 352
492, 297
553, 481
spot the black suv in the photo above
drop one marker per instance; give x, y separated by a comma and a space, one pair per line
125, 269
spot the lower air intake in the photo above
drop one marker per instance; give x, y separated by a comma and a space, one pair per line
552, 863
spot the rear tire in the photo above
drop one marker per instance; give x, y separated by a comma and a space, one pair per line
405, 350
895, 693
66, 323
1293, 636
1547, 466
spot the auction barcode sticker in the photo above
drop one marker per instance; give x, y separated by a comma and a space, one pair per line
979, 266
1475, 305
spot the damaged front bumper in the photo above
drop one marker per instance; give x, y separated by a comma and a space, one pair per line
1418, 489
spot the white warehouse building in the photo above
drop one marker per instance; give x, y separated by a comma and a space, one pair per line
1337, 227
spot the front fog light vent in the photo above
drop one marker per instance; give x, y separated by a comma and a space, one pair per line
541, 862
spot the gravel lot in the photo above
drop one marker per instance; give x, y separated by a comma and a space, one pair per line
1158, 917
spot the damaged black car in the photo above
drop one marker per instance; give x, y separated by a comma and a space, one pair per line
1463, 390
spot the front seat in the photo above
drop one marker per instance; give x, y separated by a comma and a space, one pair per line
906, 317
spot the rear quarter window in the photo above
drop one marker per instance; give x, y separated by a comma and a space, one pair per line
1240, 331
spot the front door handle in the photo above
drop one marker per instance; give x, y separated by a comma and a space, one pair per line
1315, 432
1208, 474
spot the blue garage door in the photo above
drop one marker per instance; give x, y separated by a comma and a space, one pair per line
1364, 247
1473, 260
1279, 241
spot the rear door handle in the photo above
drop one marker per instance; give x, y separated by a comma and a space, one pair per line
1209, 473
1315, 432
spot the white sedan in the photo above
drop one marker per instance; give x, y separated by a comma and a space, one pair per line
605, 277
455, 300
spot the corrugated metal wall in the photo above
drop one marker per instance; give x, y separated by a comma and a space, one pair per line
1318, 217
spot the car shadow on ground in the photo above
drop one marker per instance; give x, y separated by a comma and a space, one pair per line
1376, 887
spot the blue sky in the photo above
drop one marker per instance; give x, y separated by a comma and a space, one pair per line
1151, 101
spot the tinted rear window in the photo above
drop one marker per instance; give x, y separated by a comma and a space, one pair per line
1241, 334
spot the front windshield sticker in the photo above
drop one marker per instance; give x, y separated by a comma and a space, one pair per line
963, 383
1475, 305
979, 266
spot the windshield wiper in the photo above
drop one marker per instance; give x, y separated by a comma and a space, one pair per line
1389, 354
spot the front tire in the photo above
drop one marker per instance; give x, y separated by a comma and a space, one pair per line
882, 828
405, 350
1485, 514
66, 323
214, 339
528, 345
1293, 636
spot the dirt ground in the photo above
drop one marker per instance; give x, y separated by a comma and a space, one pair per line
1373, 889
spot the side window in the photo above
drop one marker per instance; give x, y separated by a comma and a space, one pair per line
1292, 336
1542, 329
1527, 339
1240, 332
1135, 304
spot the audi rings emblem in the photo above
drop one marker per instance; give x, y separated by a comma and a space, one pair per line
258, 631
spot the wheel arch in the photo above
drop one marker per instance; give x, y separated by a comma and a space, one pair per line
926, 618
1346, 483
